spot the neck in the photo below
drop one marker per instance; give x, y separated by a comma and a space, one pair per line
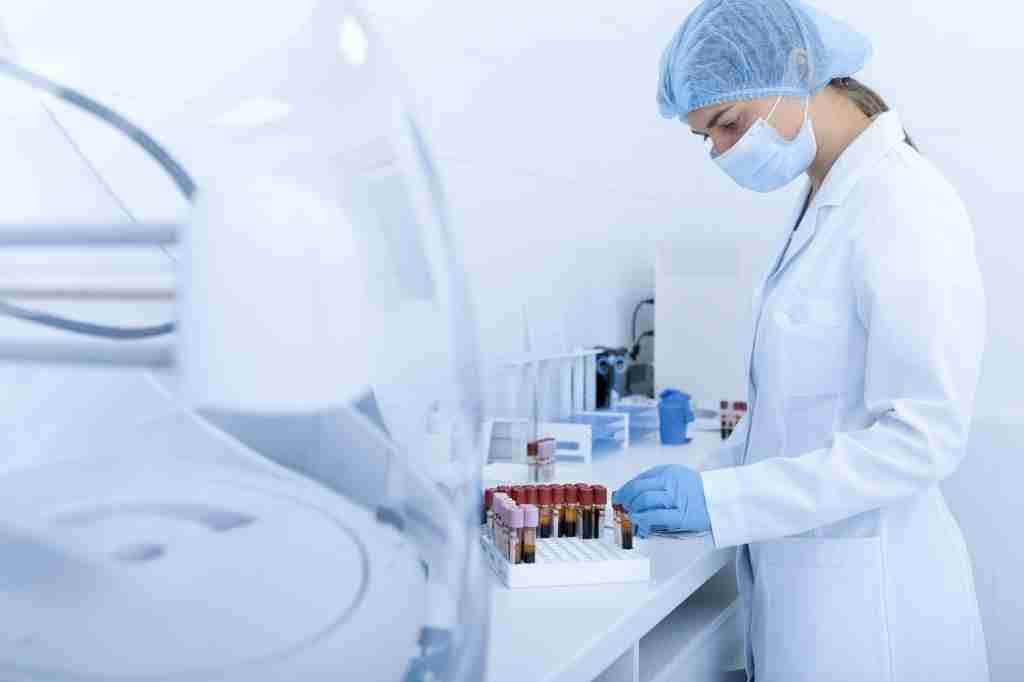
837, 123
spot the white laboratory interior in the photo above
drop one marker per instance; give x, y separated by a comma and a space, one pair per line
423, 341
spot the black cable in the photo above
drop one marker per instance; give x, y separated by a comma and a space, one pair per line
636, 311
636, 346
182, 180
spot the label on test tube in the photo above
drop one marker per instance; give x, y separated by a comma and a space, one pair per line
544, 499
571, 510
558, 511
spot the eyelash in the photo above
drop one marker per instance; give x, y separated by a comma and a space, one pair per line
727, 126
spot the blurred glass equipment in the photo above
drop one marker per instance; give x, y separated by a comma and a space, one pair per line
311, 483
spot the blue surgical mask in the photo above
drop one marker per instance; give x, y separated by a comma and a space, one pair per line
763, 161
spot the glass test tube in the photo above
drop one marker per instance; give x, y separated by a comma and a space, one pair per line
586, 495
532, 464
558, 511
528, 539
546, 448
544, 501
617, 511
571, 507
488, 500
627, 531
517, 519
600, 509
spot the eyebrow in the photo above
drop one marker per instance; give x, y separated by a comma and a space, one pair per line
714, 119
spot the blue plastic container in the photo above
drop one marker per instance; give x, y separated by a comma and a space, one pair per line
675, 415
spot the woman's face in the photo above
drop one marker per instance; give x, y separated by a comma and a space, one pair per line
722, 125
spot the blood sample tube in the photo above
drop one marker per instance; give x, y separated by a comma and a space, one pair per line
627, 531
586, 495
725, 418
739, 411
485, 518
515, 545
546, 449
532, 468
617, 511
544, 501
571, 508
600, 510
499, 523
528, 533
558, 510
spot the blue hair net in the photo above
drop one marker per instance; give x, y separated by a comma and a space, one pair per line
731, 50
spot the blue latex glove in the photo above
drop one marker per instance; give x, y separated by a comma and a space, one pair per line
668, 498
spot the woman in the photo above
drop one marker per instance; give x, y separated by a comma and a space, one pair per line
864, 363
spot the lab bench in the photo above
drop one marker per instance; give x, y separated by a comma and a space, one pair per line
682, 625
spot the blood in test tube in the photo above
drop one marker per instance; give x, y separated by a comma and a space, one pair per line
544, 502
617, 511
739, 410
528, 538
571, 509
515, 545
724, 412
586, 495
558, 510
600, 509
488, 501
627, 531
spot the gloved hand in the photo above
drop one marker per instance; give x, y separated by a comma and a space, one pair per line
669, 498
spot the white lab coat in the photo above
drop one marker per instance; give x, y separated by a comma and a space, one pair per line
864, 366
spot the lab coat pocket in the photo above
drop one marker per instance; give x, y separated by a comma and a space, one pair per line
822, 611
813, 349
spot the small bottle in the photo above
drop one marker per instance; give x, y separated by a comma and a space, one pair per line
488, 501
600, 510
571, 509
546, 448
558, 511
724, 412
544, 501
586, 513
739, 411
528, 538
617, 511
532, 467
515, 545
627, 531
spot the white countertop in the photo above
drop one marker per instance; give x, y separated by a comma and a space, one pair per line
574, 633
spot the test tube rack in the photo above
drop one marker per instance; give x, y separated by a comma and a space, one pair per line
570, 561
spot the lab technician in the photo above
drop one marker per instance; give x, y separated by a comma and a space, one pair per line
864, 364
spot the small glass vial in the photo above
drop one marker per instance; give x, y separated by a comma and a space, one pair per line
617, 511
724, 413
600, 510
558, 511
571, 509
627, 531
532, 464
515, 546
546, 448
486, 509
528, 537
544, 502
586, 514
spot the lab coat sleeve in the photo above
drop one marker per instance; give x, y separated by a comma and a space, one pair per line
730, 452
920, 298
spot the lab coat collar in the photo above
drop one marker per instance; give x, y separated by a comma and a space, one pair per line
861, 156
